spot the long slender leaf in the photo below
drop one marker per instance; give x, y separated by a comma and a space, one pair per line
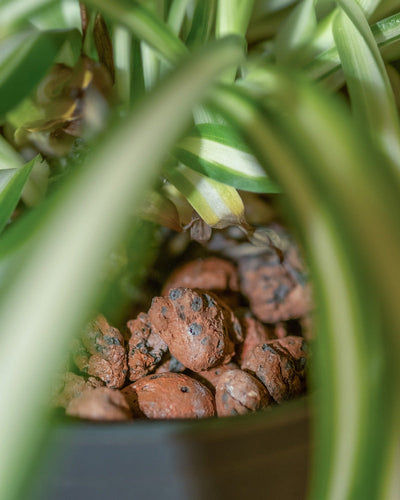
217, 204
145, 25
327, 63
367, 80
337, 175
66, 251
9, 158
12, 182
296, 32
176, 15
22, 67
217, 151
16, 12
233, 17
202, 23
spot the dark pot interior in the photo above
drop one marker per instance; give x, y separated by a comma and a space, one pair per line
260, 456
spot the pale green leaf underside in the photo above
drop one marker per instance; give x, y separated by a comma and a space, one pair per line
218, 152
217, 204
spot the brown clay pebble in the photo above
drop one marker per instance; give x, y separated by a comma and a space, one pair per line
170, 364
210, 377
254, 333
276, 368
105, 356
168, 396
239, 393
199, 331
212, 274
276, 291
145, 347
73, 387
100, 404
298, 348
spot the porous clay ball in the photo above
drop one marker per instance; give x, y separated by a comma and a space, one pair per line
102, 353
170, 395
73, 387
100, 404
298, 348
199, 331
210, 377
212, 274
254, 333
170, 364
276, 290
276, 368
145, 347
239, 393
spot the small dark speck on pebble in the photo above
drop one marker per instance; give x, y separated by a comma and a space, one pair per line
111, 340
209, 299
175, 293
267, 347
195, 329
196, 304
185, 389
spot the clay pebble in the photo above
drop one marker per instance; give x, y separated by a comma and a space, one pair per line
254, 333
277, 291
239, 393
73, 386
146, 348
277, 369
169, 396
102, 353
200, 331
101, 403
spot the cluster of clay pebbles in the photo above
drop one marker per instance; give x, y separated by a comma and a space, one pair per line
224, 337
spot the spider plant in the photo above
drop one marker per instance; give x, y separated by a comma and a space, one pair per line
108, 106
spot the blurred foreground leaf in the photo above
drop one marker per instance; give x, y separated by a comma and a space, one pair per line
48, 297
332, 175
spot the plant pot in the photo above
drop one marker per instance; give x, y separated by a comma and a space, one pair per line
258, 456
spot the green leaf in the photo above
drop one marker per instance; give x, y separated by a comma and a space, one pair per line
145, 25
202, 23
49, 295
24, 60
297, 30
9, 158
327, 64
218, 152
176, 15
331, 176
217, 204
12, 182
16, 12
233, 17
371, 94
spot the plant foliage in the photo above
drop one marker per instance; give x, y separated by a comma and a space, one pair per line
206, 98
